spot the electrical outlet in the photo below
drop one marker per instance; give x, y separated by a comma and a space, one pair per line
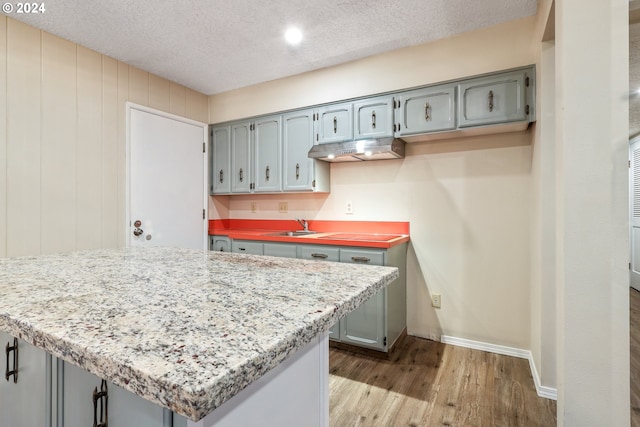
254, 207
436, 300
349, 208
283, 207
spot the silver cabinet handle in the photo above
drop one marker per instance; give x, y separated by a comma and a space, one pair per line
297, 171
335, 124
427, 111
266, 173
316, 255
360, 259
373, 120
241, 175
221, 176
8, 349
490, 101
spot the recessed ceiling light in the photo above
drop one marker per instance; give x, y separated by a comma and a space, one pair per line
293, 36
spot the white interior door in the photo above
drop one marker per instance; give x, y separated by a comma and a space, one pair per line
166, 180
634, 220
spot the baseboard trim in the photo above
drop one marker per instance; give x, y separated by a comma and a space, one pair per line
543, 391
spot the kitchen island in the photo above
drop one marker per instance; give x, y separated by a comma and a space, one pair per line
186, 329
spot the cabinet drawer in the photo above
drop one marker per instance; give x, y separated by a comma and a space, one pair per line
362, 256
246, 247
282, 250
492, 100
319, 253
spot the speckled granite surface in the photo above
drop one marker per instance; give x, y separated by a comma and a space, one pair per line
182, 328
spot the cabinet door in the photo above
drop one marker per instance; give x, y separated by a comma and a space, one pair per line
247, 247
267, 146
373, 118
124, 408
426, 110
220, 243
365, 326
493, 99
241, 157
26, 402
221, 160
322, 253
283, 250
297, 140
335, 123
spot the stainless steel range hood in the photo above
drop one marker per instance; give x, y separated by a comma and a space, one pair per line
356, 151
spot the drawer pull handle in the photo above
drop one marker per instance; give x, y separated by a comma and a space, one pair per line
360, 259
8, 349
297, 171
242, 249
335, 124
373, 120
316, 255
490, 101
241, 175
103, 397
221, 176
266, 173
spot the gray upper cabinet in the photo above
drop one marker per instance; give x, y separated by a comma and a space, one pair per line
267, 143
430, 109
221, 160
373, 117
241, 157
494, 99
334, 123
297, 140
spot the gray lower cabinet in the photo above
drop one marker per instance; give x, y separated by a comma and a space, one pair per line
376, 324
76, 406
247, 247
220, 243
282, 250
25, 398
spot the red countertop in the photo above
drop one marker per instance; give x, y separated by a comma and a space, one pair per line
372, 234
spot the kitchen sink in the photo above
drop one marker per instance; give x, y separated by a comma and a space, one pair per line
293, 233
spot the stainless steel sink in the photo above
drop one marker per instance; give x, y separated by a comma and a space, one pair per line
293, 233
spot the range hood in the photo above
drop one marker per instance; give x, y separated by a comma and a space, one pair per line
356, 151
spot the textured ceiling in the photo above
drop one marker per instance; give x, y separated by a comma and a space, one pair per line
217, 45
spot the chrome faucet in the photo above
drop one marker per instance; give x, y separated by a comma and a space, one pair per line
303, 223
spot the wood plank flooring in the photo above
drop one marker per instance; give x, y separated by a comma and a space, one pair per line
634, 344
428, 383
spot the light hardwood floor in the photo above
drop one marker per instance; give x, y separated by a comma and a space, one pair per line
634, 344
428, 383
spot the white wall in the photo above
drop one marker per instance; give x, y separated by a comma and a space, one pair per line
62, 140
592, 110
468, 200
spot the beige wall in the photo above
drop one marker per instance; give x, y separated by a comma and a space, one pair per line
62, 140
468, 200
634, 79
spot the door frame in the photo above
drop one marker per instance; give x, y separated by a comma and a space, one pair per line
129, 106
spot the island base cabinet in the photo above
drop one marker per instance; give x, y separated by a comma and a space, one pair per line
25, 402
365, 326
124, 408
293, 394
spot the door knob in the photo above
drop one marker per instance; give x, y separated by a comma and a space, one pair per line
137, 231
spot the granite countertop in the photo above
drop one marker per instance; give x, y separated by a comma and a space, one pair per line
185, 329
